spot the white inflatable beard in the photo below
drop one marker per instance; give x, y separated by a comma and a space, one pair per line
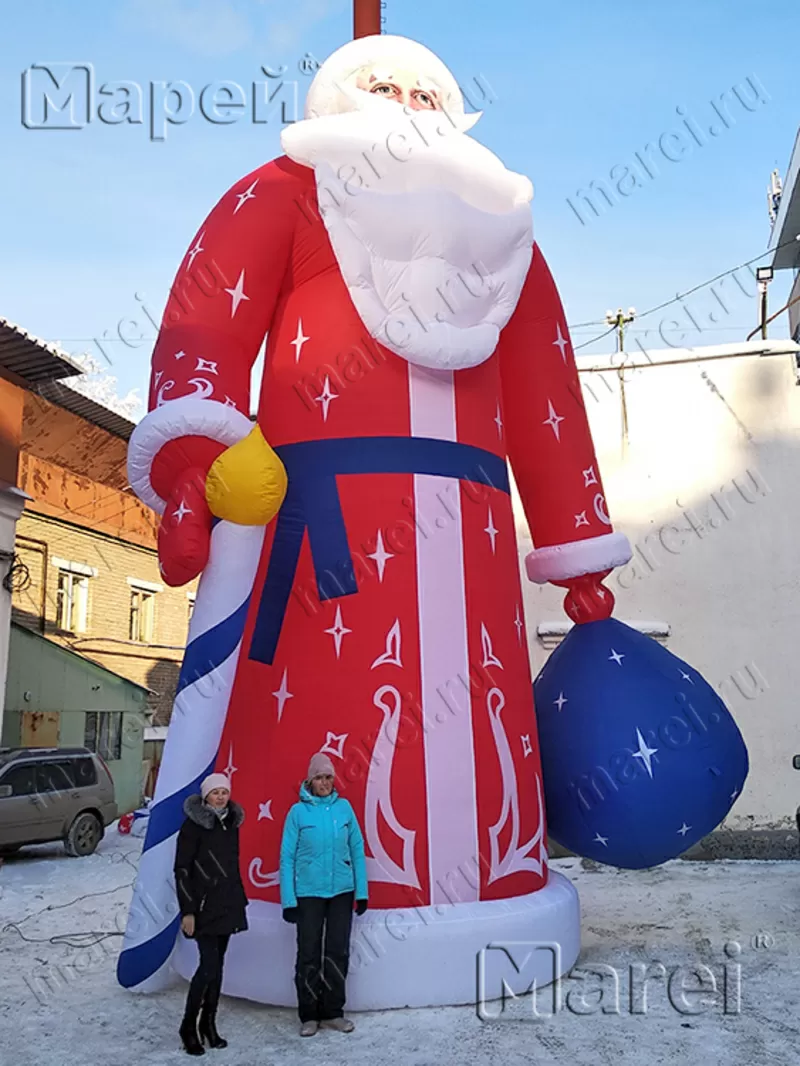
432, 234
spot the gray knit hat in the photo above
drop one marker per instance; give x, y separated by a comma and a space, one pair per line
320, 764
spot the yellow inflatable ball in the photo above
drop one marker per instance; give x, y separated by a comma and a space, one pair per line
247, 483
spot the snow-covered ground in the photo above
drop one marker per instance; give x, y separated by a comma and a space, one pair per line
60, 1003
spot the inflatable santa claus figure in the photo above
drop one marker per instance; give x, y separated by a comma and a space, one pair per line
360, 590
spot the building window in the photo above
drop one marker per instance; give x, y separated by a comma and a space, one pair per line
72, 601
143, 609
72, 594
103, 734
142, 615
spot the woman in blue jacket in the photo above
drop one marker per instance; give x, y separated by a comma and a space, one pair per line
322, 872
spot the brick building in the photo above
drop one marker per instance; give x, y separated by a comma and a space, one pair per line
25, 363
90, 547
86, 567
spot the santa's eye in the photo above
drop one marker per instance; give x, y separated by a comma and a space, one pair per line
384, 90
425, 99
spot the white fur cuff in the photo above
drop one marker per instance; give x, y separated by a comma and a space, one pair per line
578, 557
185, 417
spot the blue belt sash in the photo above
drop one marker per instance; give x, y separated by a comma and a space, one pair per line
312, 503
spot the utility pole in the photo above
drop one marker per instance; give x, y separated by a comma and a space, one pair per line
367, 17
619, 320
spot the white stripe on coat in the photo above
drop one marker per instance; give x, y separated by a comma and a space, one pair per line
446, 704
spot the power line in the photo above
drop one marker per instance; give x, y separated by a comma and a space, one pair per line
578, 325
682, 296
576, 347
703, 284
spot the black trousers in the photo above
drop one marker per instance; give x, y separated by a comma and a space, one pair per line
206, 985
323, 954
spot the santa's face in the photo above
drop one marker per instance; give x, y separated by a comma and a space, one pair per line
431, 232
401, 86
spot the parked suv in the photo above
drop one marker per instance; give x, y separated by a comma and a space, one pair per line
54, 794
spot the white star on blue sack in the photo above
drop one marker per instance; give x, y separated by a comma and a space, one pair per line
643, 745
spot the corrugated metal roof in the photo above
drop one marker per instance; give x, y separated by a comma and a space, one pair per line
63, 396
30, 358
55, 647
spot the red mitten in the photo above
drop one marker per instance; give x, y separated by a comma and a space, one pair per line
184, 537
178, 475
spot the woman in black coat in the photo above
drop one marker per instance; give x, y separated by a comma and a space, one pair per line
212, 901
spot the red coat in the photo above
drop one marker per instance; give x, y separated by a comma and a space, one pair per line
398, 644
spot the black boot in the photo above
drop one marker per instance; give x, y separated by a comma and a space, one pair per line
208, 1019
208, 1029
188, 1034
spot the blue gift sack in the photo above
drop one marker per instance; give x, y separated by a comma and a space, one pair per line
640, 756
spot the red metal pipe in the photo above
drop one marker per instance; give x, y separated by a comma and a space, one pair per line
366, 17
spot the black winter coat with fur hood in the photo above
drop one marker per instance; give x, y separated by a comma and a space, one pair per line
207, 877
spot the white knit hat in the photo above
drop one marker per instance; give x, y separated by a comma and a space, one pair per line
214, 781
329, 92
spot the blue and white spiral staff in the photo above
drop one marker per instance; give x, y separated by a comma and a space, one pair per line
198, 717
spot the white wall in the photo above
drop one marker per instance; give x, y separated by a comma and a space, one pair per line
708, 491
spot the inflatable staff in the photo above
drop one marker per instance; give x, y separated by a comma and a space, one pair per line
360, 590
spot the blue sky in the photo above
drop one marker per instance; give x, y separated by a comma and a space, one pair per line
95, 220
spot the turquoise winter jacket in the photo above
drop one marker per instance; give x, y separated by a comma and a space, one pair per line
322, 850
